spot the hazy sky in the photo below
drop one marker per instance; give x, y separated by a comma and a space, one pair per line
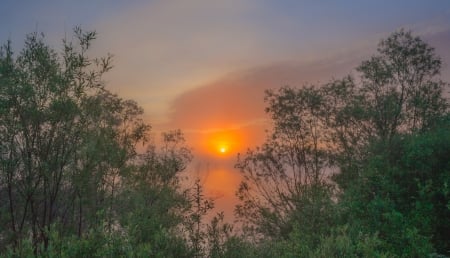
202, 66
165, 51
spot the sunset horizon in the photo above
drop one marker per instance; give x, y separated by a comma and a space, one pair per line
252, 115
216, 95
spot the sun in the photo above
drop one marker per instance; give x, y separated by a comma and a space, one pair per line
221, 144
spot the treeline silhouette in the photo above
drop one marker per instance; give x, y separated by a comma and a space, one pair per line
355, 167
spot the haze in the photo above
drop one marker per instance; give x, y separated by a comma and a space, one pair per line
203, 66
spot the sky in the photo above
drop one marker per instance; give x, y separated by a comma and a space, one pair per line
202, 66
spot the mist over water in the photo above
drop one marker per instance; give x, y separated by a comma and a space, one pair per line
219, 180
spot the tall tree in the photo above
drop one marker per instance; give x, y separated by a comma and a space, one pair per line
400, 85
153, 202
363, 129
64, 138
285, 178
399, 92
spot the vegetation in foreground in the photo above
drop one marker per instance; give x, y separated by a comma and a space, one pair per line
356, 167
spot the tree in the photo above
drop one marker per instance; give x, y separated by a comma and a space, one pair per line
376, 136
405, 191
398, 92
400, 87
153, 202
398, 102
285, 178
399, 98
199, 206
65, 139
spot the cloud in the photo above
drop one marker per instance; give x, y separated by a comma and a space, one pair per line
239, 97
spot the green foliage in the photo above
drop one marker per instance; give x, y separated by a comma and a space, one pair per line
73, 182
341, 244
384, 133
285, 178
45, 127
151, 197
403, 193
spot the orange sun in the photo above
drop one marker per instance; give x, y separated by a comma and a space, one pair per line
223, 149
222, 143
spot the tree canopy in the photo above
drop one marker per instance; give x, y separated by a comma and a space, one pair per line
356, 155
355, 167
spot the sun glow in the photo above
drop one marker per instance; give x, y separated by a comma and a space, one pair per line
222, 143
222, 146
